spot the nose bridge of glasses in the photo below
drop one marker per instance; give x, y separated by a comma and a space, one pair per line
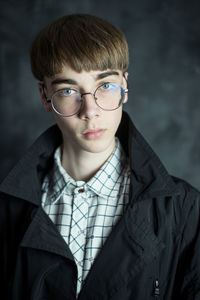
93, 94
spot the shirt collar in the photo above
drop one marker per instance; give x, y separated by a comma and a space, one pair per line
58, 180
103, 183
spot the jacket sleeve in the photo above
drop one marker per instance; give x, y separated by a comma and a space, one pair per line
13, 219
5, 250
188, 282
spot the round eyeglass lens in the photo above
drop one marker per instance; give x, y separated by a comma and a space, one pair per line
66, 102
109, 96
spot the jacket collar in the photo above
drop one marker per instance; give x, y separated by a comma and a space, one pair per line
149, 178
148, 173
24, 180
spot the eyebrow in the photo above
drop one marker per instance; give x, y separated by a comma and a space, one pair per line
74, 82
106, 74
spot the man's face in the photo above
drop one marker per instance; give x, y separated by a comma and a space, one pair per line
91, 129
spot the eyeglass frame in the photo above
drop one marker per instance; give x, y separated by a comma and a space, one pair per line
49, 100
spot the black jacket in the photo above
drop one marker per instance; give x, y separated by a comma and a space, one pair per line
152, 253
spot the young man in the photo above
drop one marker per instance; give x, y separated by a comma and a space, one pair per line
90, 212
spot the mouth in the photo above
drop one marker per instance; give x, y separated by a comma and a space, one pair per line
92, 134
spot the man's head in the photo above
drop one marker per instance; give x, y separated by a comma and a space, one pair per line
83, 42
82, 62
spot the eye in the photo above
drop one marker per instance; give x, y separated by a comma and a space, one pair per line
106, 86
67, 92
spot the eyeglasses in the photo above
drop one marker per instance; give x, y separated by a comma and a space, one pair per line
68, 102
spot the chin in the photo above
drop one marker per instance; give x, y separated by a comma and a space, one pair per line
98, 146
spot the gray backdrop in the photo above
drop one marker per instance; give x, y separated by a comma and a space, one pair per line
164, 41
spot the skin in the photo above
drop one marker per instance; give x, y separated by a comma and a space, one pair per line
88, 136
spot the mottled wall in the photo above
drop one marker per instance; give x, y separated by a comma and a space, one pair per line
164, 40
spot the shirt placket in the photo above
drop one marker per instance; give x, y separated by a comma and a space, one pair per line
77, 237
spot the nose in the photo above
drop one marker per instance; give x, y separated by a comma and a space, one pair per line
89, 108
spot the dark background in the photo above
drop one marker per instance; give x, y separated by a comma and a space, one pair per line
164, 73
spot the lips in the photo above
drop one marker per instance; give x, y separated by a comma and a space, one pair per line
91, 134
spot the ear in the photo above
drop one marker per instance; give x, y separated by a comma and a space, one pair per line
126, 75
43, 97
125, 84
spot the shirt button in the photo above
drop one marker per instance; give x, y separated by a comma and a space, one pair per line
81, 190
91, 259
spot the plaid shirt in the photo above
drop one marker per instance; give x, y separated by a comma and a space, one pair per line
85, 212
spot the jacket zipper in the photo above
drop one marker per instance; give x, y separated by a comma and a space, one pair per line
156, 289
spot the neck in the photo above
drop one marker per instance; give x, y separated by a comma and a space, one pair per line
83, 166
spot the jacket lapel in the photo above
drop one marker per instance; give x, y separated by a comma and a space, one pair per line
129, 250
42, 234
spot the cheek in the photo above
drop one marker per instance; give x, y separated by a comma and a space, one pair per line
115, 119
66, 125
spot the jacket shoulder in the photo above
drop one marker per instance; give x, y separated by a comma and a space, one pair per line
186, 189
